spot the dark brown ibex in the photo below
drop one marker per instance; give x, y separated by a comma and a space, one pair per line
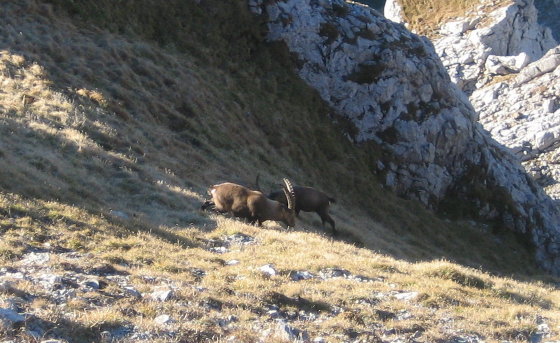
252, 205
309, 200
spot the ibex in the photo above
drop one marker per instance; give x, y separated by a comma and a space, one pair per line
252, 205
309, 200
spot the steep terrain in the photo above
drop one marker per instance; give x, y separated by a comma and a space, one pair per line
113, 123
392, 86
497, 53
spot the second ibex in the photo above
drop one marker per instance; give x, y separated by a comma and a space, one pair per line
309, 199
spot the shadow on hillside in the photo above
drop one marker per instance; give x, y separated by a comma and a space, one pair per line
302, 304
57, 328
63, 328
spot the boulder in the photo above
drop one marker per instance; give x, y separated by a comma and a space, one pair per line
502, 65
393, 11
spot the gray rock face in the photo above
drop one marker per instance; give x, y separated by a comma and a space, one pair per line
509, 37
393, 87
523, 113
521, 110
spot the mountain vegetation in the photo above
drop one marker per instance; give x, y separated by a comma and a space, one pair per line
116, 116
426, 16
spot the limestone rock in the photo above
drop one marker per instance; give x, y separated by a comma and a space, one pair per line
523, 114
393, 87
162, 294
545, 65
268, 270
290, 333
301, 275
502, 65
506, 40
393, 11
162, 319
457, 28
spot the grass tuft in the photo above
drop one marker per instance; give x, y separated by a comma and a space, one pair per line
460, 277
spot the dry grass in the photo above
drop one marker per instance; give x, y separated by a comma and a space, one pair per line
426, 16
501, 78
450, 298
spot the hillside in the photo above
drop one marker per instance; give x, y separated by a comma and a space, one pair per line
114, 122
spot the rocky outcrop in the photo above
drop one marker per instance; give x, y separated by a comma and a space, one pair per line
493, 39
523, 113
494, 44
393, 87
475, 50
488, 41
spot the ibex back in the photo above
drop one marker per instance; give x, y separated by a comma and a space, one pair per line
309, 199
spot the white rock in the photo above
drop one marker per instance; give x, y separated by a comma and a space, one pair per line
132, 291
503, 65
549, 106
8, 318
393, 11
545, 65
290, 333
49, 281
162, 294
232, 262
36, 258
544, 139
455, 28
405, 295
11, 315
162, 319
268, 269
301, 275
92, 283
219, 250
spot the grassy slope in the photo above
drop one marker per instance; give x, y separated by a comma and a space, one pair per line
96, 126
425, 17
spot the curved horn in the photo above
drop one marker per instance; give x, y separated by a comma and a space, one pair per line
290, 195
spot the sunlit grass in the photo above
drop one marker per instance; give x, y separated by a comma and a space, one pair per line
442, 292
426, 16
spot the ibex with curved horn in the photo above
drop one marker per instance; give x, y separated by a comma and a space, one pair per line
309, 199
252, 205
